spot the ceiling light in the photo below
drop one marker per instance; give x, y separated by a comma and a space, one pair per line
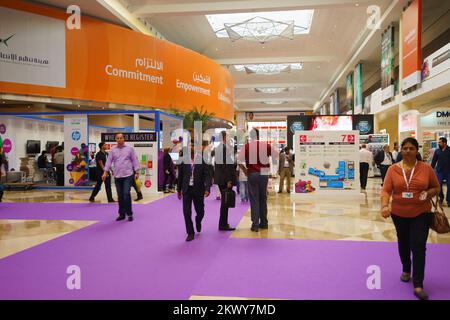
268, 68
274, 102
271, 90
261, 26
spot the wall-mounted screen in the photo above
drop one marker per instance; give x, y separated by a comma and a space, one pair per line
33, 147
319, 123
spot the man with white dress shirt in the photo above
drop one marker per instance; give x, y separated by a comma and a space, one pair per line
365, 163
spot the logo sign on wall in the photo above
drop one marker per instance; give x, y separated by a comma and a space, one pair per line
131, 137
412, 52
349, 98
437, 119
387, 64
358, 89
363, 123
33, 49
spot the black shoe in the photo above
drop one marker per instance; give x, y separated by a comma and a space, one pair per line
139, 197
120, 218
422, 295
190, 237
91, 200
198, 225
111, 201
264, 226
227, 228
130, 218
405, 277
254, 229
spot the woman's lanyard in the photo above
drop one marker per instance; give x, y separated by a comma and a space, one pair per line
408, 182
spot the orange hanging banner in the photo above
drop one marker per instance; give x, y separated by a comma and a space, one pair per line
412, 50
104, 63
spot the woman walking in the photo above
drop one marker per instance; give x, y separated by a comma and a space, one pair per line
411, 184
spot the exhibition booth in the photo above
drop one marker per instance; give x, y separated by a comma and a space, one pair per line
25, 136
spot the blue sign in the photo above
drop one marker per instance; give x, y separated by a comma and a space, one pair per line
76, 135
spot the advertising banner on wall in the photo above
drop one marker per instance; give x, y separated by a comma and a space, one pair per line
337, 103
438, 119
358, 94
326, 163
32, 50
436, 63
76, 150
43, 58
412, 46
349, 97
407, 121
387, 64
145, 146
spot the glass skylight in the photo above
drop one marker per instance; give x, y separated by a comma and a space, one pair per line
271, 90
274, 102
261, 26
269, 68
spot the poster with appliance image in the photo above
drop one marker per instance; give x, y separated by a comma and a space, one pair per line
349, 98
327, 162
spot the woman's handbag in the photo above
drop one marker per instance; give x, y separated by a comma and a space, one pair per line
439, 221
229, 198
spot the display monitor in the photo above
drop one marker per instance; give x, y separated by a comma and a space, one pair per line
33, 146
331, 123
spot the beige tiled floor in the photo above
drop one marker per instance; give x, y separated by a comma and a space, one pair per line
18, 235
71, 196
328, 220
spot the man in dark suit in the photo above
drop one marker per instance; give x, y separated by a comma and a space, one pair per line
194, 184
384, 160
224, 176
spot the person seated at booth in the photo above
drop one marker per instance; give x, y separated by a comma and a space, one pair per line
42, 161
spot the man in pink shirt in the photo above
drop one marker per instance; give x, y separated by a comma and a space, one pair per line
126, 170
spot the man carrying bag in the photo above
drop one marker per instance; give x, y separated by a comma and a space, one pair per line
225, 177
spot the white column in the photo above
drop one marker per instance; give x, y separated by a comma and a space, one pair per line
136, 122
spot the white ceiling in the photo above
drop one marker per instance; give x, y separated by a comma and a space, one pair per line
338, 30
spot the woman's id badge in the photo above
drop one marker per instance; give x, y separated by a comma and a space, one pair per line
407, 195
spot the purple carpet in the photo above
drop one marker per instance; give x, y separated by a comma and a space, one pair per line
149, 259
144, 259
311, 269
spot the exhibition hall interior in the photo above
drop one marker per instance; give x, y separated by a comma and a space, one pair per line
224, 150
